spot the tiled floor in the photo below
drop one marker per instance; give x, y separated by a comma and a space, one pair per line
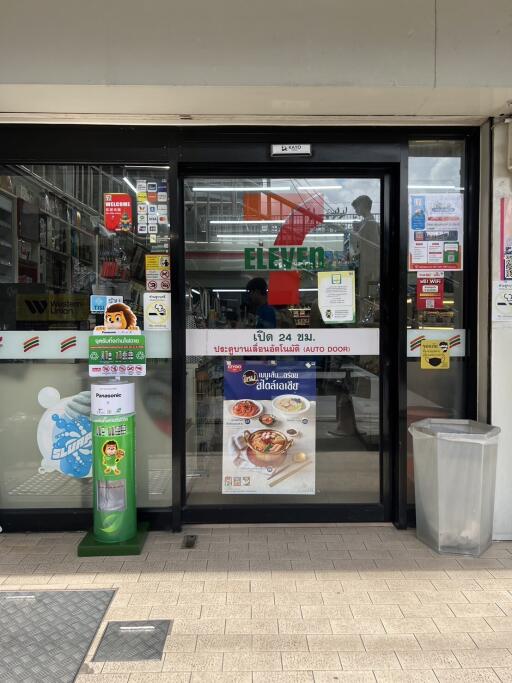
290, 604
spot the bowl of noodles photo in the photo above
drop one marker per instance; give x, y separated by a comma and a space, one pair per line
246, 408
291, 404
267, 446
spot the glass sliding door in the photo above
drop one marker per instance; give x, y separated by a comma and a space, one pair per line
283, 322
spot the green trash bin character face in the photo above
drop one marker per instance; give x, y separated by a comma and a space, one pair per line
111, 457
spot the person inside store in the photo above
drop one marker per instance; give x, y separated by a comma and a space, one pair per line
257, 294
365, 247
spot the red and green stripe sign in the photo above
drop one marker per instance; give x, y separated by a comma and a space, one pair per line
68, 343
31, 343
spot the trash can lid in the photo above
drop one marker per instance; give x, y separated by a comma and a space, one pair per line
460, 430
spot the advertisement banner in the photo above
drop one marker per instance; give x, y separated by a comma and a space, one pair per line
114, 507
269, 424
117, 355
337, 296
436, 230
118, 211
501, 301
429, 290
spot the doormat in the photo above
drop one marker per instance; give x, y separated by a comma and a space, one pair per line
45, 635
130, 641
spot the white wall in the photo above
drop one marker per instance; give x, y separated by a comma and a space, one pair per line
501, 344
281, 57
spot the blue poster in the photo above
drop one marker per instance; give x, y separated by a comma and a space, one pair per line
269, 427
418, 209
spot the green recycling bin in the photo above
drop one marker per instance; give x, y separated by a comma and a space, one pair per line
113, 439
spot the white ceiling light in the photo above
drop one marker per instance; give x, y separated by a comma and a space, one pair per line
130, 185
434, 187
319, 187
246, 188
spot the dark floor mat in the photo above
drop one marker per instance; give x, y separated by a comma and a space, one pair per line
45, 635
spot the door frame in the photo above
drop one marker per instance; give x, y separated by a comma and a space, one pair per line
391, 268
178, 146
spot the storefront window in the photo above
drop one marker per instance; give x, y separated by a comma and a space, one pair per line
60, 256
435, 297
283, 369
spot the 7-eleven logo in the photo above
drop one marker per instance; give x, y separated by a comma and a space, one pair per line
452, 341
67, 343
416, 342
30, 344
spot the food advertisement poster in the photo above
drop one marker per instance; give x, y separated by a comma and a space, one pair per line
429, 290
506, 238
434, 355
436, 229
118, 211
269, 427
336, 296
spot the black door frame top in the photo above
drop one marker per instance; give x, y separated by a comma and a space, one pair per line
191, 150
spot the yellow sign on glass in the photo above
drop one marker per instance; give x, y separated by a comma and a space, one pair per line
435, 355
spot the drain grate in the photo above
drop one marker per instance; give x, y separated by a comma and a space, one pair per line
45, 635
129, 641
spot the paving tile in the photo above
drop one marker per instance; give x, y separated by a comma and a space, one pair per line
326, 611
279, 611
476, 610
223, 643
178, 612
445, 641
192, 661
388, 643
298, 598
362, 661
212, 677
481, 658
443, 659
462, 624
147, 666
343, 677
357, 626
427, 611
309, 661
335, 643
282, 677
177, 642
493, 640
394, 598
253, 598
252, 661
251, 626
504, 674
306, 626
279, 643
488, 596
102, 678
446, 597
405, 677
196, 626
352, 598
499, 623
465, 675
379, 611
410, 625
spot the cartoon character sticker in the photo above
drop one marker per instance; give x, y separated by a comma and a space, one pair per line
118, 317
111, 457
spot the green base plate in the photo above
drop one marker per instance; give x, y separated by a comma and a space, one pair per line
90, 547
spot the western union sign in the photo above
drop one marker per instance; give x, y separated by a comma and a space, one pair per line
52, 307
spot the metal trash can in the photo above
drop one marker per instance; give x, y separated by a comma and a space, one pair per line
454, 481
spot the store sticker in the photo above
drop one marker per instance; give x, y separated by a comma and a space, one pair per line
152, 218
429, 290
152, 209
157, 311
162, 219
162, 208
113, 399
120, 355
153, 228
434, 355
117, 211
142, 229
142, 208
142, 197
162, 196
142, 219
502, 301
141, 186
436, 222
158, 273
336, 296
99, 302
